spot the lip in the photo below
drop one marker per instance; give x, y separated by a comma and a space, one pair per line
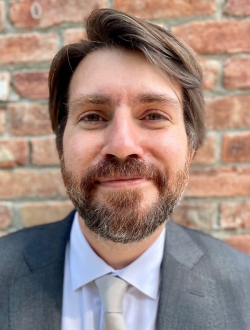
121, 182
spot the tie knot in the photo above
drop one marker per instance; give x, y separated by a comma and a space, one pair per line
112, 290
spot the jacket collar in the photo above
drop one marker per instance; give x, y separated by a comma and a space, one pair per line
186, 297
181, 246
38, 289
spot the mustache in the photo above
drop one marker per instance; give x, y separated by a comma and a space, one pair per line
130, 168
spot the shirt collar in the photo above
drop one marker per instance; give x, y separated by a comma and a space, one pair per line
86, 265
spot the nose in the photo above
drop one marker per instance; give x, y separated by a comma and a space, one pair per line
122, 138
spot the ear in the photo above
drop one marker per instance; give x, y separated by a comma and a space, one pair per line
191, 155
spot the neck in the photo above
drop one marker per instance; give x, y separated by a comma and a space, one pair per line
118, 255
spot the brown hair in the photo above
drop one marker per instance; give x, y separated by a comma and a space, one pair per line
111, 28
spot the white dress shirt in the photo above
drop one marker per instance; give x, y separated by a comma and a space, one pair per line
82, 307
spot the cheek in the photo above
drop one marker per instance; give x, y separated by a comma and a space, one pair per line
171, 152
80, 151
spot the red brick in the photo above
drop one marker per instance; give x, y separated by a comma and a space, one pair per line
195, 215
219, 182
228, 112
235, 73
238, 7
29, 119
236, 147
165, 8
240, 242
210, 70
27, 47
235, 215
216, 37
13, 152
4, 85
33, 85
5, 215
30, 183
2, 121
72, 36
207, 153
44, 152
44, 212
2, 15
52, 14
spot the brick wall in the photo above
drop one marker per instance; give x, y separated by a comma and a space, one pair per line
31, 189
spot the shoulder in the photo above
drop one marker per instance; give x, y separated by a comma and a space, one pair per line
208, 268
16, 246
23, 237
216, 255
211, 245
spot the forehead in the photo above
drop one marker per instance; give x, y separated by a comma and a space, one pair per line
120, 74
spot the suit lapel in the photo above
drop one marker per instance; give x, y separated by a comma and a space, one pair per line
41, 282
185, 297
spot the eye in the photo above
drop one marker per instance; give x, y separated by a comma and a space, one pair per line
155, 116
91, 117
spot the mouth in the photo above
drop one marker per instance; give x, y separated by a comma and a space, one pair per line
120, 182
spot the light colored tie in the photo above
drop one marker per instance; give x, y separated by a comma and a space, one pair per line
112, 290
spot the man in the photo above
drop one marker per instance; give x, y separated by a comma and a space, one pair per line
127, 109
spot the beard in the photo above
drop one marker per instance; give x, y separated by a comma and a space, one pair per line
122, 217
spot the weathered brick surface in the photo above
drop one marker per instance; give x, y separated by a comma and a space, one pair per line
228, 112
29, 166
219, 37
4, 85
44, 212
207, 153
235, 215
5, 215
219, 182
238, 7
236, 147
240, 242
28, 47
53, 13
210, 69
195, 215
2, 121
13, 152
29, 183
2, 15
29, 119
72, 36
236, 74
33, 85
44, 151
152, 9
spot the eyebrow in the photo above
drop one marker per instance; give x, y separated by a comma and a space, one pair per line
143, 98
89, 99
158, 98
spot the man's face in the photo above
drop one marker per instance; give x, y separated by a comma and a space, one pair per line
125, 150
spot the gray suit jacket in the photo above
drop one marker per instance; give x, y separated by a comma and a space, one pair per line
205, 284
